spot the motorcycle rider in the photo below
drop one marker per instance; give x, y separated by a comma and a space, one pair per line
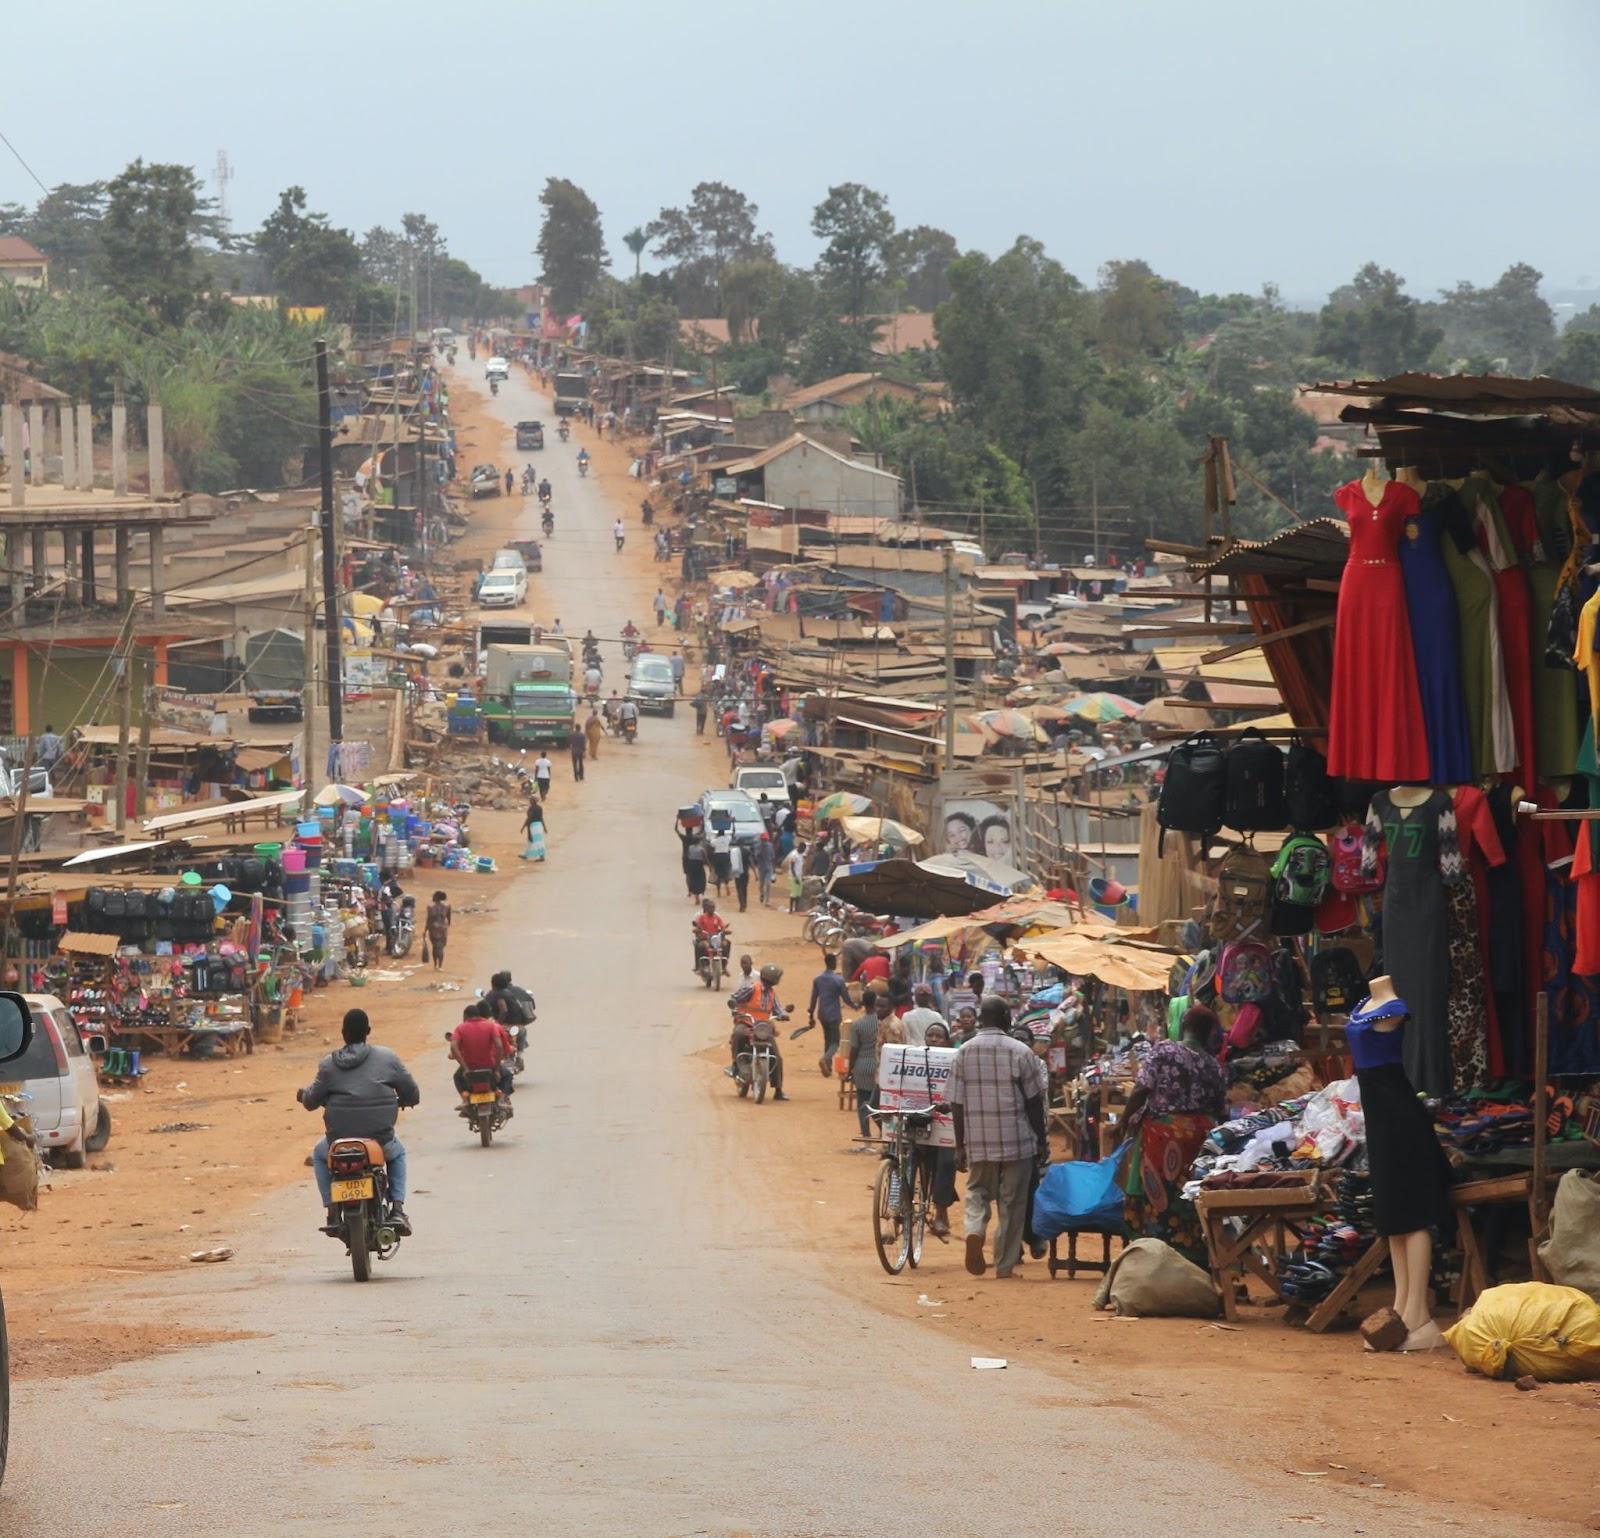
758, 1000
359, 1090
481, 1042
592, 680
628, 718
545, 492
709, 927
583, 461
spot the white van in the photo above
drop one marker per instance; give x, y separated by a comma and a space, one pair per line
57, 1075
760, 781
503, 589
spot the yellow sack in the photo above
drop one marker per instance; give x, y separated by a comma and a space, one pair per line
1530, 1328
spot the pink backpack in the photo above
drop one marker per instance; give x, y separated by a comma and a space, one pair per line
1345, 845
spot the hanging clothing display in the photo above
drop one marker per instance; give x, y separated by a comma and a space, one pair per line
1375, 727
1586, 862
1474, 1029
1424, 857
1506, 944
1514, 615
1483, 674
1555, 695
1431, 610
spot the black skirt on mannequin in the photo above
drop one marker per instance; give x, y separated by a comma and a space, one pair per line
1410, 1174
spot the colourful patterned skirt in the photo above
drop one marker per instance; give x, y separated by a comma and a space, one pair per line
1153, 1180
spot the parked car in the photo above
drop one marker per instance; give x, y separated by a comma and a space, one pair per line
508, 558
651, 685
497, 368
57, 1074
486, 481
758, 780
503, 589
721, 806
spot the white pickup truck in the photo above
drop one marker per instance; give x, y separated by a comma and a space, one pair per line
762, 780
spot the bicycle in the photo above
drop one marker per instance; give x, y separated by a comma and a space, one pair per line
902, 1194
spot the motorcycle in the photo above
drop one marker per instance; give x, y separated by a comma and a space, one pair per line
482, 1104
711, 961
563, 431
630, 730
405, 927
544, 496
529, 480
548, 521
361, 1202
519, 1039
583, 464
630, 648
757, 1058
494, 385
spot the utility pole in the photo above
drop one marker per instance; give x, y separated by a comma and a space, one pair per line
949, 656
1094, 508
309, 689
1038, 528
124, 665
334, 671
141, 759
983, 526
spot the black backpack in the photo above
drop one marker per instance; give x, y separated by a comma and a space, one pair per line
1193, 791
1254, 801
1310, 795
519, 1005
1337, 985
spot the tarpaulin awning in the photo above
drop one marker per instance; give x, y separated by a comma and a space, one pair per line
223, 810
1123, 966
1027, 912
932, 888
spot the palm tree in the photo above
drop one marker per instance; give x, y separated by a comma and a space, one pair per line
636, 240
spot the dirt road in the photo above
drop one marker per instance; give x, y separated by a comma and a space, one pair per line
622, 1318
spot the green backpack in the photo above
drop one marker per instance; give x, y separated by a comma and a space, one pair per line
1303, 871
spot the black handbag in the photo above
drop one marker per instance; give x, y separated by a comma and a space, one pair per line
1254, 800
1194, 788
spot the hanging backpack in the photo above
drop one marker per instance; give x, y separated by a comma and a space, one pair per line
1254, 799
1302, 871
1244, 894
1346, 847
1337, 985
1310, 795
1194, 788
1244, 975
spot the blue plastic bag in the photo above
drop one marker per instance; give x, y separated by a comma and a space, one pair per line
1080, 1195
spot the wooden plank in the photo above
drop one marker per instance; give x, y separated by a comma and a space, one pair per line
1321, 622
1354, 1279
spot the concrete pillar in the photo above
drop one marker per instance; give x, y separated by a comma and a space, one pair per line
124, 590
119, 445
18, 575
41, 568
158, 576
158, 455
11, 425
36, 443
21, 714
88, 569
69, 566
69, 444
85, 447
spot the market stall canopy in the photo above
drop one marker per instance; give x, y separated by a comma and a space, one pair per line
1026, 912
77, 944
1105, 956
842, 803
1102, 706
733, 579
932, 888
112, 852
879, 830
336, 795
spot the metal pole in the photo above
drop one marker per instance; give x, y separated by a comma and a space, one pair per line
330, 574
124, 726
309, 689
949, 656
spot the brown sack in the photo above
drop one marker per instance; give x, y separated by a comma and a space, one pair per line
19, 1176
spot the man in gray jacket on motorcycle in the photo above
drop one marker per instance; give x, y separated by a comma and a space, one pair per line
359, 1089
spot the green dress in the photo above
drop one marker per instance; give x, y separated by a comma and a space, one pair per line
1555, 689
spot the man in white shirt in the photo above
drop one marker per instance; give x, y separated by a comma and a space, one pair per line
917, 1019
543, 769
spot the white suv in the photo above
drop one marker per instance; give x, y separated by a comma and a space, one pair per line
57, 1075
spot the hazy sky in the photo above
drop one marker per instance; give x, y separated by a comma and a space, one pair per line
1228, 143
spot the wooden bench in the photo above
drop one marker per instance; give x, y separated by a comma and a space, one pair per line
1255, 1250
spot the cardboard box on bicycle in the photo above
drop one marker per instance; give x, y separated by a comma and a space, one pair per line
910, 1078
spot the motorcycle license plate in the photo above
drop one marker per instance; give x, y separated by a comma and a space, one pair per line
481, 1097
360, 1190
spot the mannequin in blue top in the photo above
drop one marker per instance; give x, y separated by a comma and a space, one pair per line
1408, 1167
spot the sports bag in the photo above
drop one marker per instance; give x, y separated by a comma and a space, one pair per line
1302, 871
1194, 788
1244, 975
519, 1004
1310, 796
1346, 845
1337, 985
1244, 894
1254, 798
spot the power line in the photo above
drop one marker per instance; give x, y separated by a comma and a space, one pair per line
24, 164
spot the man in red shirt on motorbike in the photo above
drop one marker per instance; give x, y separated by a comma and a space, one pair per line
481, 1043
710, 928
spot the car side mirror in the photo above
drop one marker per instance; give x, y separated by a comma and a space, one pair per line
95, 1044
16, 1027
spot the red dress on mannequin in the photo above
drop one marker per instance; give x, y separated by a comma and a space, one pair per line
1375, 728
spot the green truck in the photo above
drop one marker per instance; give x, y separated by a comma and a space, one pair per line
527, 694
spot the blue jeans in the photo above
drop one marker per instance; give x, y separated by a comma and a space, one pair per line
394, 1152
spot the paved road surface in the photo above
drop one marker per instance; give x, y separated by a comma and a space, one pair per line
599, 1328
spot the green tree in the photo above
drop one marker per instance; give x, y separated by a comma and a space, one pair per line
919, 260
1371, 325
383, 256
1577, 359
572, 247
856, 224
832, 347
1135, 311
281, 229
1510, 320
65, 225
1143, 464
717, 226
636, 240
748, 289
147, 238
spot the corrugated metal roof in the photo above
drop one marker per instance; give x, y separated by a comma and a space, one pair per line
1477, 394
1314, 549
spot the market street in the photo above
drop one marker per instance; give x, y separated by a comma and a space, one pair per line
605, 1323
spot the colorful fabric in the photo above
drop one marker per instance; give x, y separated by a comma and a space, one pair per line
1182, 1080
1153, 1181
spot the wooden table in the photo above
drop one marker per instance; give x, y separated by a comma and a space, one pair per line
1261, 1243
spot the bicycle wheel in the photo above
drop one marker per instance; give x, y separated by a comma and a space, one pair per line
914, 1203
890, 1231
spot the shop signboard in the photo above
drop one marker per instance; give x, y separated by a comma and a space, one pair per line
725, 486
912, 1078
186, 712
